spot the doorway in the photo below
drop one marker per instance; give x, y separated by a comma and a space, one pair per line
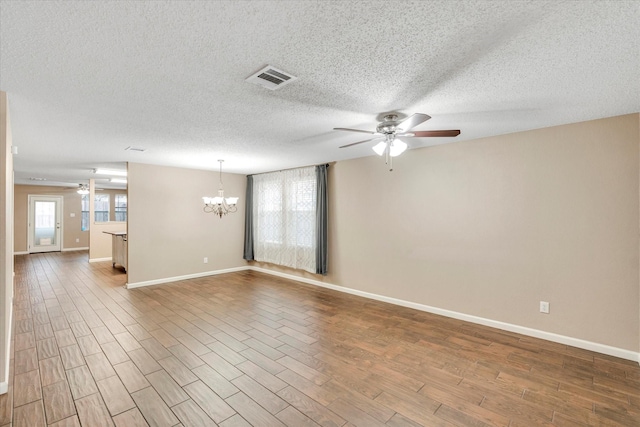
45, 229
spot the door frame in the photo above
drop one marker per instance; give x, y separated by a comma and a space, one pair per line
32, 247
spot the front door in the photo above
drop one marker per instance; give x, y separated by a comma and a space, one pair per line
45, 223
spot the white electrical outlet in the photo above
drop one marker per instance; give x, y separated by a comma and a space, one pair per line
72, 214
544, 307
206, 260
77, 240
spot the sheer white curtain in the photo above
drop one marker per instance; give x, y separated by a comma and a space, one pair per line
284, 218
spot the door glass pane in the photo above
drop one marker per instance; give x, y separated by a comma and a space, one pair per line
45, 223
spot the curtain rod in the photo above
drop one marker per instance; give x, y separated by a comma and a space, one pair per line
289, 169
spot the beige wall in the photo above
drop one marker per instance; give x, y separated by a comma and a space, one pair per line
71, 226
492, 226
100, 243
6, 240
169, 234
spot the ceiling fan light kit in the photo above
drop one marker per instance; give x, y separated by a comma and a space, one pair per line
396, 147
390, 129
82, 189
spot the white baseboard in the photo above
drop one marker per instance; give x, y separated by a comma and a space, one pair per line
536, 333
185, 277
100, 259
62, 250
4, 385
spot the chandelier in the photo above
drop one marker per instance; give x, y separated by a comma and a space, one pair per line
220, 205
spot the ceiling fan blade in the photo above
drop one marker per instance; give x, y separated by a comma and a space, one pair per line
355, 130
431, 133
413, 121
359, 142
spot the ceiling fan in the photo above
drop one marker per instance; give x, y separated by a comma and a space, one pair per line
391, 128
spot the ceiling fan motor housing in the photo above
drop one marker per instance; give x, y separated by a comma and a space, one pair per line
389, 125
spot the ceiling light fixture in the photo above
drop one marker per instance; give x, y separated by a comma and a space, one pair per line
83, 189
391, 128
115, 172
220, 205
390, 147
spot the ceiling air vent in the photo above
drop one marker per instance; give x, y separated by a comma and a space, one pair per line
141, 150
271, 78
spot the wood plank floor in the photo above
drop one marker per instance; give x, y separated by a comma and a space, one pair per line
248, 349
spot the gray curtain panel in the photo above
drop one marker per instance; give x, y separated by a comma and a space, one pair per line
321, 219
248, 221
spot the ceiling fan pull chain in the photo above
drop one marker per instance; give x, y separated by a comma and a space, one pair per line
388, 158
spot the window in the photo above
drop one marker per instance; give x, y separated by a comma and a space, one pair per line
121, 207
84, 208
284, 214
302, 212
101, 206
102, 203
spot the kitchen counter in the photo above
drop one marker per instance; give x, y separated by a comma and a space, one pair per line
118, 248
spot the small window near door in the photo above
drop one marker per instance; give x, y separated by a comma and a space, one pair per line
101, 206
121, 207
84, 226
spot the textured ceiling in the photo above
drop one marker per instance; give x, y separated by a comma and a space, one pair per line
88, 79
